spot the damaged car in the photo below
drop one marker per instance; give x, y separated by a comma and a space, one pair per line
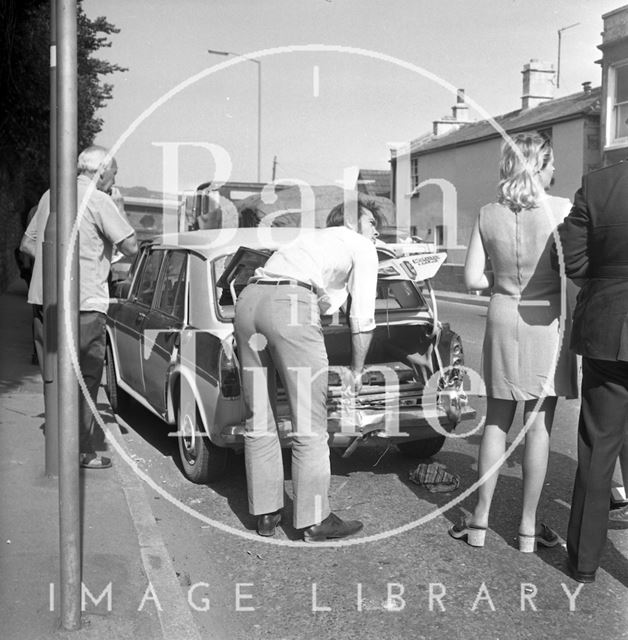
170, 346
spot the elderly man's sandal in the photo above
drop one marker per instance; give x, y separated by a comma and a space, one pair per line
93, 461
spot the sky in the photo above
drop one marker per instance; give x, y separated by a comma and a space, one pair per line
340, 80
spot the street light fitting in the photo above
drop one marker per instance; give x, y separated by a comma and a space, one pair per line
232, 53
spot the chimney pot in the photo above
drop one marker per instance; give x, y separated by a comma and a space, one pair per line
539, 83
586, 87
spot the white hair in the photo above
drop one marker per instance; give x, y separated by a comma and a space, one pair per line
92, 160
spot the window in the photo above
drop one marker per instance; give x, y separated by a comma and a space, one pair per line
147, 282
172, 298
398, 294
236, 269
439, 232
618, 97
414, 172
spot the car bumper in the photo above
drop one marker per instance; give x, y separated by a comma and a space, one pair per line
406, 425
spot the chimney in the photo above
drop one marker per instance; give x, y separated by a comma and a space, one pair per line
459, 115
460, 110
586, 87
539, 83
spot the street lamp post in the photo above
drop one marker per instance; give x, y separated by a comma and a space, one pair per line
259, 101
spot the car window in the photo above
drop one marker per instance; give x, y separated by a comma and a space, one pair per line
398, 294
172, 296
235, 268
147, 282
391, 294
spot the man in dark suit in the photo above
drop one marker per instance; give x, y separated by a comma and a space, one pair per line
594, 239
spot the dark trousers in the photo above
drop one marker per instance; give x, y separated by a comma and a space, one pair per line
601, 428
92, 359
38, 335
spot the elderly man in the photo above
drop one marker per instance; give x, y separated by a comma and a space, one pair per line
102, 227
594, 237
278, 329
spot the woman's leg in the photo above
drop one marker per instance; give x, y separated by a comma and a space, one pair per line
535, 456
499, 416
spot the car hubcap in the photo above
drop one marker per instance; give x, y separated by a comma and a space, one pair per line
188, 438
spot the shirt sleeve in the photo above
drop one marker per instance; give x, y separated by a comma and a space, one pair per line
112, 221
37, 224
362, 286
574, 238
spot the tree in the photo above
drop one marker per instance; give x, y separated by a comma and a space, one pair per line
24, 85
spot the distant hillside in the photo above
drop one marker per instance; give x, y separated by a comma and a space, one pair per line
140, 192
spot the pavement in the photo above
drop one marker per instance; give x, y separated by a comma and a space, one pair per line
463, 298
130, 588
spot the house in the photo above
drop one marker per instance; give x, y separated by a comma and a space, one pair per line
614, 107
453, 171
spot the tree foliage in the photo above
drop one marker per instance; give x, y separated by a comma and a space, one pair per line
25, 84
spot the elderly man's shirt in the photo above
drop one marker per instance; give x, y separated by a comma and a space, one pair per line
337, 262
102, 225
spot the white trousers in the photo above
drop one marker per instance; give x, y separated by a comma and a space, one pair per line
278, 330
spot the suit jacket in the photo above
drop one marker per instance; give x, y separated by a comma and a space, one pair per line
594, 239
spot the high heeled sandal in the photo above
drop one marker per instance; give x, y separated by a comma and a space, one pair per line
547, 537
473, 536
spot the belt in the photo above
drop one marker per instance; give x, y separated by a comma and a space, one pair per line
291, 282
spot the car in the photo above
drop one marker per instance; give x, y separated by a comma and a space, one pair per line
170, 346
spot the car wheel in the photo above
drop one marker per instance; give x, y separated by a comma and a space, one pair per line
114, 393
422, 449
202, 461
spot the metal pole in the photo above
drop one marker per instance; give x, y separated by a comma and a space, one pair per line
49, 257
68, 309
558, 61
560, 32
259, 118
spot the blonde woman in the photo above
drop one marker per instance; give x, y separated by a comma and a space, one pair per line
522, 360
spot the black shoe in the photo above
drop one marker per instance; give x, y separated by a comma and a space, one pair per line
619, 516
267, 523
581, 576
331, 527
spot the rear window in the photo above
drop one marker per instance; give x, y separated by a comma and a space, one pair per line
398, 294
392, 295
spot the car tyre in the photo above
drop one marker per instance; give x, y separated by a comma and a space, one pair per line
202, 461
422, 449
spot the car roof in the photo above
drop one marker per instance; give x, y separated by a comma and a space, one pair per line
216, 241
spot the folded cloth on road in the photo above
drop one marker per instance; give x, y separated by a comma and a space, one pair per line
435, 477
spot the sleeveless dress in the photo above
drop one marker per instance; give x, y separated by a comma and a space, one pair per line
524, 356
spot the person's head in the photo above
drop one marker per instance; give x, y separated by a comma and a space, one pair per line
93, 162
525, 171
369, 218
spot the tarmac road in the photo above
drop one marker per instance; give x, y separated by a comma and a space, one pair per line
410, 579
